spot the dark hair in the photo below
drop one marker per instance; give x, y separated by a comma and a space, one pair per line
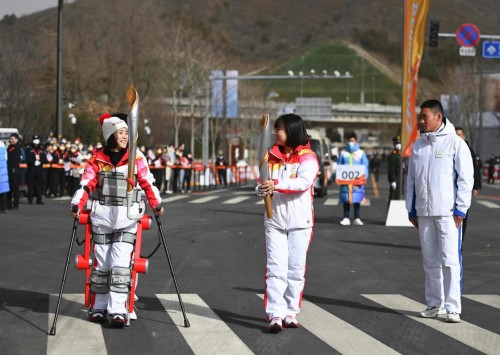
111, 143
458, 128
434, 105
352, 135
294, 127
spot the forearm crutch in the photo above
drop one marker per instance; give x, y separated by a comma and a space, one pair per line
73, 237
160, 229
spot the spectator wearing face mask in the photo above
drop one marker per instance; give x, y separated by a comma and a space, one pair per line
351, 194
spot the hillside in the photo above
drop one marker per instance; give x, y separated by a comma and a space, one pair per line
168, 47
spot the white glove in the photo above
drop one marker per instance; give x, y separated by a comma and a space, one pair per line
393, 185
37, 162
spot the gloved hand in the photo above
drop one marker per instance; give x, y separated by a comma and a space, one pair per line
37, 162
259, 192
393, 185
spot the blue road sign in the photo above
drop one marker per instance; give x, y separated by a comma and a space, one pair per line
468, 35
491, 50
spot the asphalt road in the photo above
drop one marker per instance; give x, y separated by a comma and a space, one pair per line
364, 284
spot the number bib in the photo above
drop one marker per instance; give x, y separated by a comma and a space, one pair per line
350, 174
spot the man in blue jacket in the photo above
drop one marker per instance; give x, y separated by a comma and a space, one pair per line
439, 188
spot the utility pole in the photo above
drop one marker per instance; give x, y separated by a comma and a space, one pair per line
59, 125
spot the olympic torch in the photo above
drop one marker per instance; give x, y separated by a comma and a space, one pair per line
133, 124
264, 144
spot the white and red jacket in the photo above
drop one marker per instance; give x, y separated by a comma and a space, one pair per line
101, 162
293, 177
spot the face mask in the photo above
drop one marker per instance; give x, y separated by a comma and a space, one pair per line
352, 144
36, 141
398, 146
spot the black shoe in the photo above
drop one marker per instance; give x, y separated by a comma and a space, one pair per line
40, 203
117, 320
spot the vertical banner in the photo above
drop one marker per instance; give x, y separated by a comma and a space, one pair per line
415, 16
232, 94
217, 94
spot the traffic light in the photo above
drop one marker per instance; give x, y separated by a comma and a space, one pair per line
434, 35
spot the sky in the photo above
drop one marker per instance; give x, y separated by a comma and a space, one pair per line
25, 7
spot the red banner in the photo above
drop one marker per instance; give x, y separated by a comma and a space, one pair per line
415, 16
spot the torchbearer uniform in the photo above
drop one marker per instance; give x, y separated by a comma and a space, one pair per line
290, 230
113, 233
439, 184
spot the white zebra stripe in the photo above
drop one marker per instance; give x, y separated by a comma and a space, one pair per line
467, 333
75, 334
338, 334
236, 200
204, 199
208, 334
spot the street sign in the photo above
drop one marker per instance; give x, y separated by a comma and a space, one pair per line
468, 51
467, 35
491, 50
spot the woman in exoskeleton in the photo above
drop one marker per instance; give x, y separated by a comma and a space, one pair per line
104, 183
293, 167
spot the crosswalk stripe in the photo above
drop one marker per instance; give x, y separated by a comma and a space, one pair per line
338, 334
173, 198
204, 199
208, 334
331, 202
467, 333
75, 334
489, 300
488, 204
260, 202
236, 200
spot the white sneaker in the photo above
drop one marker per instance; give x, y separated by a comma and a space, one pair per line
433, 312
358, 222
291, 322
345, 222
452, 317
275, 325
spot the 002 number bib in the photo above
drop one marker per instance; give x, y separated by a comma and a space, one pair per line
350, 174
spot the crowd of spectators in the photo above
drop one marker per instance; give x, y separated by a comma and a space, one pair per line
61, 162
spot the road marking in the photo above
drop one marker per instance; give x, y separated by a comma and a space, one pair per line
340, 335
173, 198
74, 333
236, 200
208, 334
489, 300
204, 199
488, 204
260, 202
331, 202
467, 333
